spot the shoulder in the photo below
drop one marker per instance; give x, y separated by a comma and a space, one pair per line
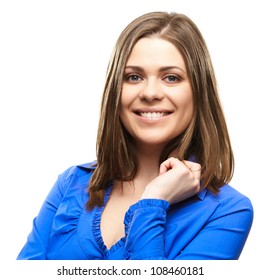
80, 170
228, 193
231, 200
77, 174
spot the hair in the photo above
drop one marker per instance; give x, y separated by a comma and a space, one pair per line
206, 138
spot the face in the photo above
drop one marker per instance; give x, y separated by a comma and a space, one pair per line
156, 100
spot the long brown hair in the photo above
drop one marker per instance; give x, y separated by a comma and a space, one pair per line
206, 139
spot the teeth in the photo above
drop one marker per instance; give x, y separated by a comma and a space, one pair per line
152, 115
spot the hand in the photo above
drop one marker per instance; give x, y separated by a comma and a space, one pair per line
177, 181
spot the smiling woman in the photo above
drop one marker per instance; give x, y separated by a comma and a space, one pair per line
164, 160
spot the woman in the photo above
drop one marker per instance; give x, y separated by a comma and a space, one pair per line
158, 189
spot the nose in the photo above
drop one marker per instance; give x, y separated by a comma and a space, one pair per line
151, 91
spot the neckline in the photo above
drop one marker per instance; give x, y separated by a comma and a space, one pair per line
97, 230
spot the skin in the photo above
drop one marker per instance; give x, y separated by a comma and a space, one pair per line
156, 106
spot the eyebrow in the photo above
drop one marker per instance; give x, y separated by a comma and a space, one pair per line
161, 69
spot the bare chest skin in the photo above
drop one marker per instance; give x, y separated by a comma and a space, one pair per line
112, 219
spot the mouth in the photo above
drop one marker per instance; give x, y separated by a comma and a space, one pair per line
152, 114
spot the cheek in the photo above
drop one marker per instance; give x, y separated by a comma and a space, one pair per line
126, 100
123, 102
188, 108
183, 101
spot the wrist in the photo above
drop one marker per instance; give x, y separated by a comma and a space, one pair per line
152, 194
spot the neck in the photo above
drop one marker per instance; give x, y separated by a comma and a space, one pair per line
148, 160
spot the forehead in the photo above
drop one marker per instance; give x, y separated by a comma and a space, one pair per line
155, 52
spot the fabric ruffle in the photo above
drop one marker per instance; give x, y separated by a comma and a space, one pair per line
142, 204
96, 227
69, 211
97, 221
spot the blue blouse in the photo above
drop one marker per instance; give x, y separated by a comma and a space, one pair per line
205, 226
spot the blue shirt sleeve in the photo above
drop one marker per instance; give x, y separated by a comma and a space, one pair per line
37, 241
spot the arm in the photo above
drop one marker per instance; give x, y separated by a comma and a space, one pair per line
144, 223
37, 241
221, 237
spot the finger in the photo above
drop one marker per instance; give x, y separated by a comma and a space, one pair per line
163, 169
168, 164
193, 166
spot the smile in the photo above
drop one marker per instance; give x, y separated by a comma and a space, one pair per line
152, 114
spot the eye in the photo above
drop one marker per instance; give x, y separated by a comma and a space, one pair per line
133, 78
171, 78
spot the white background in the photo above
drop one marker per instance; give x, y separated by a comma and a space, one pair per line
53, 59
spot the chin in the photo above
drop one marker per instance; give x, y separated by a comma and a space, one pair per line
153, 142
